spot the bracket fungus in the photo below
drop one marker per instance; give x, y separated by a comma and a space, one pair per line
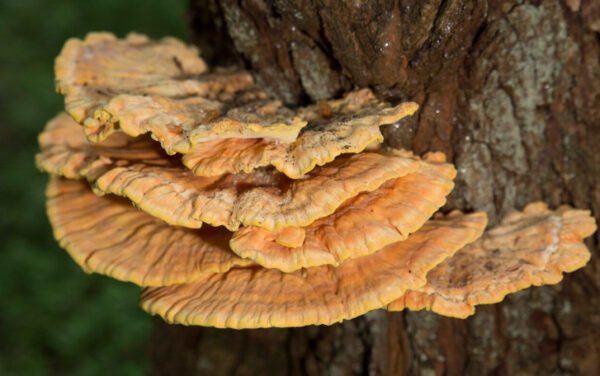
259, 297
335, 127
171, 192
363, 224
108, 235
162, 87
233, 210
529, 248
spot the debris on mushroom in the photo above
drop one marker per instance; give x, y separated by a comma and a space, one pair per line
161, 87
362, 225
172, 193
335, 127
254, 297
107, 235
530, 248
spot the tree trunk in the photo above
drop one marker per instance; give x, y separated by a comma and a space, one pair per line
509, 90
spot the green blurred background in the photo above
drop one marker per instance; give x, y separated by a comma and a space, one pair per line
55, 319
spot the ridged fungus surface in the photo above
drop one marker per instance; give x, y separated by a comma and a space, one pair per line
234, 211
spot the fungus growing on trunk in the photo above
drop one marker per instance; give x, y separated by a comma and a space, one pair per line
335, 127
256, 297
171, 192
363, 224
249, 214
141, 86
529, 248
107, 235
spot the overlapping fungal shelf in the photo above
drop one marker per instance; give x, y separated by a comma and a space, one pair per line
232, 210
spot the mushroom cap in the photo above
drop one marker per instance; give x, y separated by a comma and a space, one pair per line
532, 247
173, 193
362, 225
107, 235
140, 86
254, 297
335, 127
180, 124
103, 61
66, 152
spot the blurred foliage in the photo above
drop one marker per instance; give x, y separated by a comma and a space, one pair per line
54, 319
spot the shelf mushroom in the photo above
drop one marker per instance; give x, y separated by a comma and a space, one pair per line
107, 235
362, 225
220, 120
347, 125
162, 87
232, 210
171, 192
258, 297
529, 248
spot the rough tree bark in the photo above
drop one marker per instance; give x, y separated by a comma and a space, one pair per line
509, 90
